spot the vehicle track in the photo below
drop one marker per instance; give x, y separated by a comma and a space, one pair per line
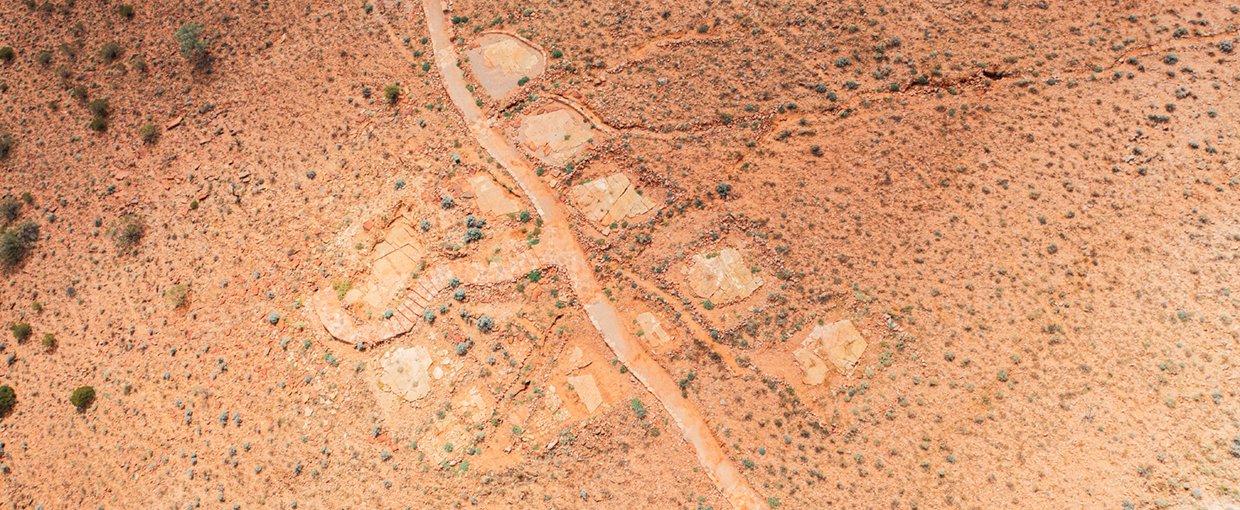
560, 248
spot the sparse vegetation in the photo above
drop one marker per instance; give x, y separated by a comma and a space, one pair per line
129, 232
177, 295
193, 46
82, 397
6, 144
110, 52
17, 242
21, 331
8, 399
391, 93
7, 54
149, 133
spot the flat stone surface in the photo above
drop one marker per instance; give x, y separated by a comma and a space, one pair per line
840, 344
587, 390
501, 60
722, 276
492, 198
609, 199
555, 137
405, 372
652, 331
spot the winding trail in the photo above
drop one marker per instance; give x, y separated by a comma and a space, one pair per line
559, 247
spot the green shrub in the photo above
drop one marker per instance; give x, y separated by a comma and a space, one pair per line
392, 93
486, 324
149, 133
193, 47
21, 331
98, 124
44, 57
16, 243
177, 295
10, 209
6, 144
129, 232
110, 52
125, 10
8, 398
49, 341
79, 93
82, 397
7, 54
99, 107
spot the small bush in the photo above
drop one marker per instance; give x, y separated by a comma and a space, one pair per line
98, 124
99, 107
392, 93
49, 342
16, 243
21, 331
7, 54
486, 324
6, 144
149, 133
44, 57
8, 398
110, 52
10, 209
78, 93
82, 397
125, 10
193, 47
724, 190
177, 295
129, 232
534, 276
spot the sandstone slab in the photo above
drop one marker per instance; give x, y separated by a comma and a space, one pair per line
722, 276
838, 344
609, 199
500, 61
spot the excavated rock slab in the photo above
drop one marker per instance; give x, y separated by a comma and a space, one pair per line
722, 277
840, 344
555, 137
501, 60
492, 198
652, 330
334, 318
587, 391
405, 373
609, 199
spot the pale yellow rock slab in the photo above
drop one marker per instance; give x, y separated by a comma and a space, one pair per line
555, 137
840, 344
609, 199
722, 276
587, 391
405, 372
492, 198
501, 60
814, 367
652, 331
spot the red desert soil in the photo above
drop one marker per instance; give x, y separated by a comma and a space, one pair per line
857, 255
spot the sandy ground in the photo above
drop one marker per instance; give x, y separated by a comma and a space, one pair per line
1028, 210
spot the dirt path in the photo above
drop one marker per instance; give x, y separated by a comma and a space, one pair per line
559, 247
